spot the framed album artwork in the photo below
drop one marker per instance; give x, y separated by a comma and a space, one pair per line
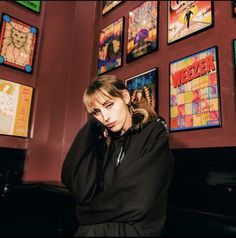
32, 5
110, 47
142, 30
17, 44
186, 18
234, 48
194, 91
234, 8
143, 88
109, 5
234, 55
15, 104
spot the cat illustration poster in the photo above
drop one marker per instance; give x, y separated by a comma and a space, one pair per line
15, 103
110, 47
143, 88
188, 17
194, 91
17, 44
142, 30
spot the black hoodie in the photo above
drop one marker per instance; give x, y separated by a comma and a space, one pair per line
119, 198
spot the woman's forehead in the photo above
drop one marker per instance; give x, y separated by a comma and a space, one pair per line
100, 100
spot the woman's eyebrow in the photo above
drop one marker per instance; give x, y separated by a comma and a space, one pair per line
106, 102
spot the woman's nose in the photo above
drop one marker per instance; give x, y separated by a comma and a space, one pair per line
106, 116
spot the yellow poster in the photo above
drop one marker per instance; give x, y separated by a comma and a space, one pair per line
15, 103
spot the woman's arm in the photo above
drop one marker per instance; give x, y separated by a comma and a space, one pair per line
79, 167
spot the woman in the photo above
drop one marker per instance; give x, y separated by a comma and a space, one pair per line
119, 166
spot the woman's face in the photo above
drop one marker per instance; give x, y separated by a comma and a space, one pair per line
113, 113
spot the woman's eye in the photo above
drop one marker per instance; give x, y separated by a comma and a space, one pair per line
109, 105
96, 112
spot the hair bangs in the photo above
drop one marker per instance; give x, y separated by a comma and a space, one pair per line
98, 96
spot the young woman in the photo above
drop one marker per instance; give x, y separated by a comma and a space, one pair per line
119, 166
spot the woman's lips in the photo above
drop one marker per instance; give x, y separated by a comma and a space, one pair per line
110, 125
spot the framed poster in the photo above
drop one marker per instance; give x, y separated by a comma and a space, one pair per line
194, 91
234, 8
188, 17
17, 44
143, 88
110, 47
32, 5
234, 51
142, 30
15, 103
234, 62
108, 5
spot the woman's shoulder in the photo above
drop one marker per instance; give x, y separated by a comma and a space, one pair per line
157, 126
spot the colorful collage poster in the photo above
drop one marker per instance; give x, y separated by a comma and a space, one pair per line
108, 5
142, 30
15, 103
110, 47
194, 91
143, 88
17, 44
188, 17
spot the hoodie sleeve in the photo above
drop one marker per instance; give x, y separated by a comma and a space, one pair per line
137, 187
79, 167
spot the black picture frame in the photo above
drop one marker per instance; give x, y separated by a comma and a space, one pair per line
194, 92
234, 8
143, 30
179, 23
107, 6
110, 48
145, 84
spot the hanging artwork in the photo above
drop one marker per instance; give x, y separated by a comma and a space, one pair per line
234, 51
194, 91
234, 62
143, 88
234, 7
110, 47
32, 5
15, 103
142, 30
17, 44
108, 5
188, 17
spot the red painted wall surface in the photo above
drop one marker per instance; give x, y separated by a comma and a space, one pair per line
66, 61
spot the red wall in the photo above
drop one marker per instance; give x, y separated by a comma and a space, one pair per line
66, 61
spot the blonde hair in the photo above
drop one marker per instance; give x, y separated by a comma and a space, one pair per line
108, 86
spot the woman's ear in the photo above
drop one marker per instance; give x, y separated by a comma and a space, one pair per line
126, 96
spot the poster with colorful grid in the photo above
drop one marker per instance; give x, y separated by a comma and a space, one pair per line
194, 92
